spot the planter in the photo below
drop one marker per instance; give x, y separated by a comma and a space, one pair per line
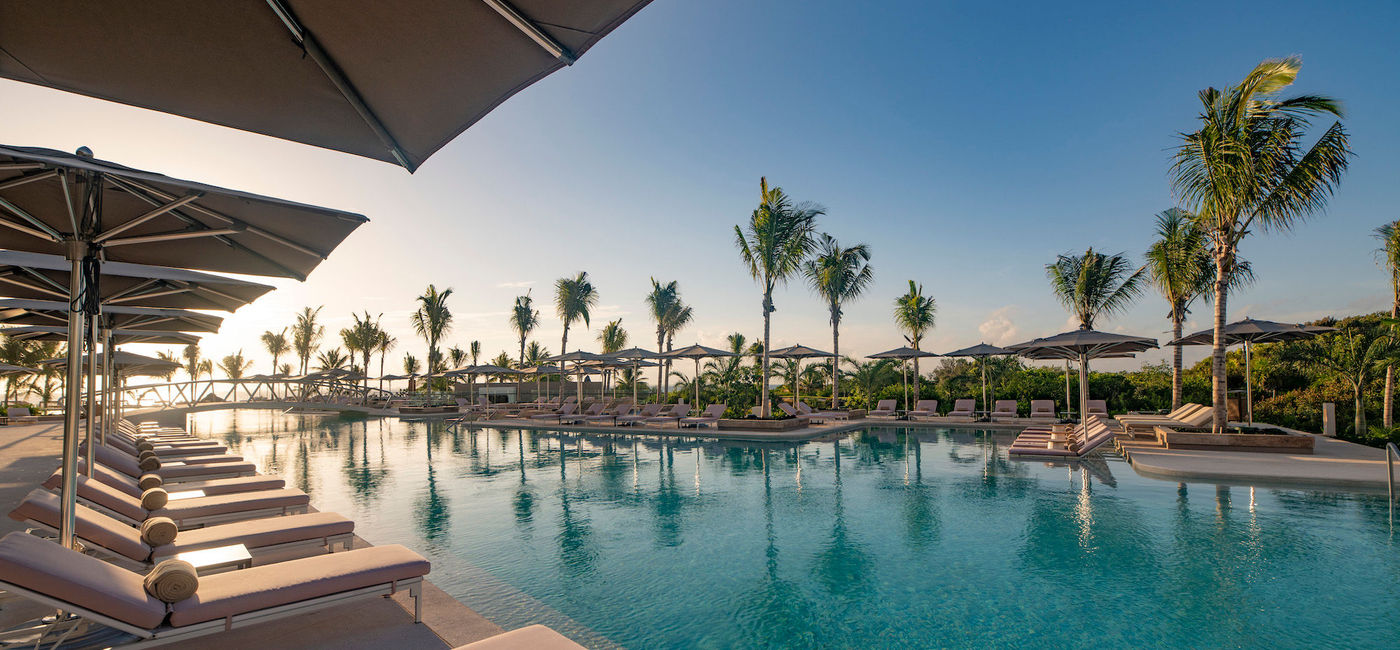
856, 414
1292, 443
788, 424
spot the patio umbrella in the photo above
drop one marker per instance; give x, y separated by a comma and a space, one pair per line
53, 312
634, 357
392, 81
540, 371
128, 364
117, 336
1083, 345
798, 352
34, 276
904, 354
980, 352
93, 211
696, 352
9, 368
1249, 332
578, 357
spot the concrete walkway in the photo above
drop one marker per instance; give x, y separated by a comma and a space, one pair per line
1333, 463
30, 453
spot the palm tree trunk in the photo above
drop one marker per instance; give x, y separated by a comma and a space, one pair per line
1360, 411
767, 330
660, 365
1176, 361
1217, 353
563, 349
1388, 404
835, 369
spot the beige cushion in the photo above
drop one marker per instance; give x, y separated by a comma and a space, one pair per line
116, 536
192, 471
172, 581
255, 533
232, 503
534, 637
45, 567
250, 590
111, 498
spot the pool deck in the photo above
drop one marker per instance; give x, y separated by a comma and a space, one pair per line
29, 453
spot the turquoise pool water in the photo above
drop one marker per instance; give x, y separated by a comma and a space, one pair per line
885, 538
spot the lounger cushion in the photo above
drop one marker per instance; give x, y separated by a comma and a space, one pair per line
45, 567
256, 533
231, 503
116, 536
272, 585
210, 469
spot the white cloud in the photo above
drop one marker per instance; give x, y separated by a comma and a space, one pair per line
999, 328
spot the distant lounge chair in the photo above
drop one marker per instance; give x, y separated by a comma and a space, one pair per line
792, 412
710, 416
564, 411
46, 573
1083, 439
1146, 424
1043, 409
1005, 409
21, 414
924, 408
648, 411
620, 408
115, 541
1098, 407
593, 410
674, 415
884, 409
821, 416
963, 408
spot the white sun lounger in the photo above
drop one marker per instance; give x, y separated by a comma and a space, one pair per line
104, 594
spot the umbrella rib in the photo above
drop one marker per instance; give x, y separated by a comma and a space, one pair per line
57, 286
25, 179
19, 212
159, 210
532, 30
7, 278
341, 83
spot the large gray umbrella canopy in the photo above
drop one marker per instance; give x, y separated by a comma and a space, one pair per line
1083, 345
903, 354
125, 363
1249, 332
696, 352
148, 218
15, 311
118, 336
34, 276
578, 357
799, 352
980, 352
634, 357
392, 81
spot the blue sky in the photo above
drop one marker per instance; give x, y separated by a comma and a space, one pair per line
967, 144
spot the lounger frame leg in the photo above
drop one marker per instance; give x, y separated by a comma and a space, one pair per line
416, 592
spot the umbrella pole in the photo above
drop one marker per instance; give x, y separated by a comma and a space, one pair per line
67, 515
1069, 401
696, 379
985, 406
634, 383
92, 405
904, 372
1248, 386
1084, 390
108, 376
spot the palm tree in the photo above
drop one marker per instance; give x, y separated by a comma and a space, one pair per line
457, 356
192, 366
663, 301
573, 298
1094, 284
276, 345
778, 239
383, 343
915, 314
870, 376
1179, 265
432, 321
306, 335
1355, 353
1389, 236
611, 339
410, 365
524, 318
362, 337
332, 359
838, 274
1246, 168
535, 355
233, 367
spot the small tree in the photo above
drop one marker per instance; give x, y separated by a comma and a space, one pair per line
1356, 353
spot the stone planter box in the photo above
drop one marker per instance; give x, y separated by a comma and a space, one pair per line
1289, 443
856, 414
789, 424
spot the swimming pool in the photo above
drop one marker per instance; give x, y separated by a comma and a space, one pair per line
883, 538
